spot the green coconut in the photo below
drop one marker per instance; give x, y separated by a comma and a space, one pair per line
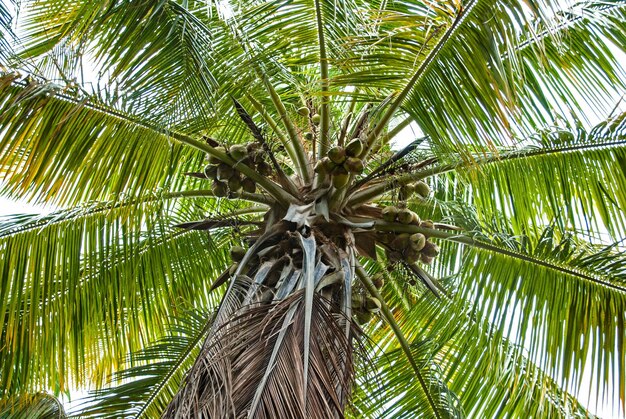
405, 192
210, 171
303, 111
337, 155
418, 241
389, 213
234, 183
340, 180
426, 260
430, 249
238, 152
220, 188
354, 148
401, 241
264, 168
316, 118
225, 172
422, 189
354, 165
237, 253
372, 304
405, 216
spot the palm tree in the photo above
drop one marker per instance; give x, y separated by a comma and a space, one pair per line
235, 235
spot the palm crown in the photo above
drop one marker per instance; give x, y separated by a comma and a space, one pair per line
478, 271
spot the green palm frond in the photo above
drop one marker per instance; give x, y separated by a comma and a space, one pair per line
577, 179
113, 275
153, 374
385, 392
541, 294
42, 125
6, 32
503, 78
40, 405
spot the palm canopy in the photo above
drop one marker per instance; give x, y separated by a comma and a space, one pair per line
120, 289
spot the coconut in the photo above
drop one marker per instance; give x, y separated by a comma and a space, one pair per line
220, 188
316, 118
248, 185
264, 168
390, 213
378, 281
210, 171
401, 241
411, 255
303, 111
224, 172
234, 183
430, 249
237, 253
405, 216
340, 180
363, 317
426, 260
337, 155
308, 136
405, 192
418, 241
353, 165
372, 305
422, 189
416, 219
354, 148
238, 152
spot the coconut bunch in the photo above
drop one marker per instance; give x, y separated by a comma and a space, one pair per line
365, 306
341, 162
227, 179
421, 189
409, 247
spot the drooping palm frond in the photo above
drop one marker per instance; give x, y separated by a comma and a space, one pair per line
154, 374
6, 32
107, 272
538, 294
41, 126
39, 405
508, 74
577, 179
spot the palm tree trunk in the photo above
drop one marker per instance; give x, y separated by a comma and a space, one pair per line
281, 341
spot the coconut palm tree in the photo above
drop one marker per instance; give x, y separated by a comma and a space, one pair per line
235, 233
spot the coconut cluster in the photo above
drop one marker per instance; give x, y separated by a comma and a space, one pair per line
409, 247
341, 162
365, 306
227, 179
420, 189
